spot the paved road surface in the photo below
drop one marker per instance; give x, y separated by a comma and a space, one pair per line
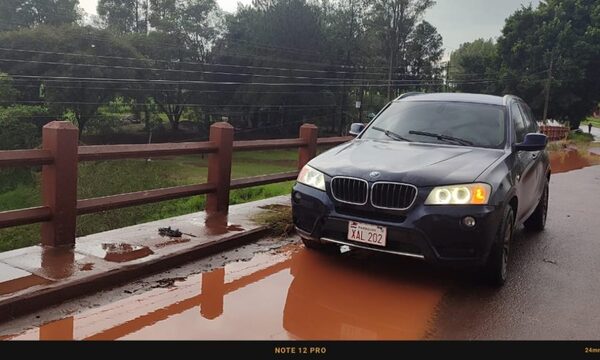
595, 130
276, 289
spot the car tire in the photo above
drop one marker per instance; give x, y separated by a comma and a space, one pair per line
537, 220
495, 269
317, 245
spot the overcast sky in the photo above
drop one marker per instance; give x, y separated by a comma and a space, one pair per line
458, 21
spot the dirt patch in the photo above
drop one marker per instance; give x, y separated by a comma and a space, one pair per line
278, 218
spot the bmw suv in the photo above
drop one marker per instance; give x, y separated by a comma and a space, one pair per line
442, 177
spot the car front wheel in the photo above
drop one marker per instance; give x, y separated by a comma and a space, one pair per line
497, 264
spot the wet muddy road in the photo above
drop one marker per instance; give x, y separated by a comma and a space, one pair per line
276, 289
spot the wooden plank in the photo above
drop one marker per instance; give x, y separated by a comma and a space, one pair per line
268, 144
25, 158
263, 180
111, 152
89, 206
24, 216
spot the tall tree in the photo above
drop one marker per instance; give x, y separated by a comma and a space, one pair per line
424, 52
555, 46
475, 66
393, 21
124, 16
17, 14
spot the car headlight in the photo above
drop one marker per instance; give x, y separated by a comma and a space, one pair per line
311, 177
465, 194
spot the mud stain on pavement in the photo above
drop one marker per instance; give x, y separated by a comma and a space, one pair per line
292, 294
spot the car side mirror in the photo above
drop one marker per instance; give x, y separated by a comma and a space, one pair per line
533, 142
356, 128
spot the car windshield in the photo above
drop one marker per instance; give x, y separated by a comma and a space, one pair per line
458, 123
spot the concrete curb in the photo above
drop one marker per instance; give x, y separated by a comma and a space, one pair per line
30, 302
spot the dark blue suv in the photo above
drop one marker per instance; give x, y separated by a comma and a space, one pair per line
440, 177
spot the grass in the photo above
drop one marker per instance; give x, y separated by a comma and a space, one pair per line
278, 218
104, 178
595, 122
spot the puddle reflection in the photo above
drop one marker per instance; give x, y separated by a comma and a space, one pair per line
292, 295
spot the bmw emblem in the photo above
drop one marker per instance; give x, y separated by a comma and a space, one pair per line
374, 174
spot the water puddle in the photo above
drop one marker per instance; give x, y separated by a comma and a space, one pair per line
124, 252
297, 294
217, 224
568, 160
13, 280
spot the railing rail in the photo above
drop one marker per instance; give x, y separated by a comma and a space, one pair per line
60, 154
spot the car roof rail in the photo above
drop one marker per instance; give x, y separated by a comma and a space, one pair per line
407, 94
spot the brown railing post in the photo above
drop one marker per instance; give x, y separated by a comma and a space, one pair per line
308, 133
59, 183
219, 167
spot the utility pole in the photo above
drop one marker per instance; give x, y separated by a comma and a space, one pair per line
544, 118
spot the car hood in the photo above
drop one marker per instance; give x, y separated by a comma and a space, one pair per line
420, 164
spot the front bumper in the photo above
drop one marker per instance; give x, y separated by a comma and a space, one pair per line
432, 233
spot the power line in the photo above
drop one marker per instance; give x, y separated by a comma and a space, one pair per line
192, 63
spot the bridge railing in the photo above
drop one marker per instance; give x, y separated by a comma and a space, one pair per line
60, 154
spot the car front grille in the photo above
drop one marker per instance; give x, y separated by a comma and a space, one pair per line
350, 190
396, 196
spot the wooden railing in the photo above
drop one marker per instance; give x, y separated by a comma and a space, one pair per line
60, 154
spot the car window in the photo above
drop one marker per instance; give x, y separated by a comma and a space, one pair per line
532, 124
479, 124
519, 122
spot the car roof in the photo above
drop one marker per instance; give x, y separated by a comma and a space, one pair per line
458, 97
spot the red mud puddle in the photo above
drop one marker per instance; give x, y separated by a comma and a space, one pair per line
125, 252
298, 294
217, 224
568, 160
21, 283
172, 242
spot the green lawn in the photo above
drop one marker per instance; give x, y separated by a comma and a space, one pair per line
595, 122
104, 178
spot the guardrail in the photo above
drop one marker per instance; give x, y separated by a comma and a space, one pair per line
60, 155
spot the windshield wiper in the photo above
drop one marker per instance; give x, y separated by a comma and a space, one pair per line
391, 134
441, 137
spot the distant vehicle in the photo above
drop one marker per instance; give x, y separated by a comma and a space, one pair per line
440, 177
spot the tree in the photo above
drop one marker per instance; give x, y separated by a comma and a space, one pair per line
18, 14
555, 46
79, 84
424, 52
393, 21
124, 16
472, 64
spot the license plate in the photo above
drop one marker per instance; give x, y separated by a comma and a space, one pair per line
367, 233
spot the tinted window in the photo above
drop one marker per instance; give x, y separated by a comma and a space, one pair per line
481, 124
519, 122
533, 126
